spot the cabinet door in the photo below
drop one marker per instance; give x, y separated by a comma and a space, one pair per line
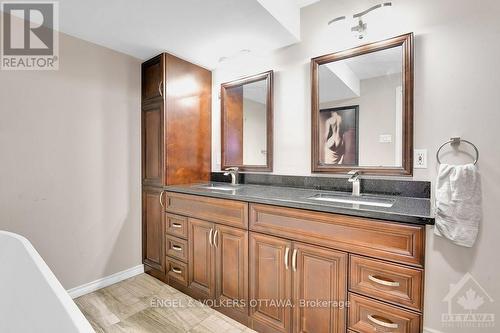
153, 155
201, 280
319, 289
231, 266
270, 283
152, 79
188, 122
152, 228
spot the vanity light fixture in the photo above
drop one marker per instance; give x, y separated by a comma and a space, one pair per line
360, 29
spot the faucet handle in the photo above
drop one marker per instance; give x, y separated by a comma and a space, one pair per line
232, 169
354, 175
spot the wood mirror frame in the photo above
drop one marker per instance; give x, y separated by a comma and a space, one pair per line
225, 115
406, 169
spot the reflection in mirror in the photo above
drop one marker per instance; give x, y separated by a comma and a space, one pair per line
360, 99
362, 109
247, 123
254, 123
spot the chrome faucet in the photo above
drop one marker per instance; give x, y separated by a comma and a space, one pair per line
355, 180
233, 171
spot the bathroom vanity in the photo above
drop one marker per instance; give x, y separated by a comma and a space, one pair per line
246, 248
290, 258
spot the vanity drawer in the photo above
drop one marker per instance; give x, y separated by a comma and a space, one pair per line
375, 238
228, 212
368, 316
177, 270
386, 281
176, 248
177, 225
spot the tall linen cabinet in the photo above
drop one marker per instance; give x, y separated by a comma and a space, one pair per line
176, 142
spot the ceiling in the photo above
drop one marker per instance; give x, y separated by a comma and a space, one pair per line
200, 31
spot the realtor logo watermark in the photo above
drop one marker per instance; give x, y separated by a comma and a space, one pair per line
29, 38
469, 305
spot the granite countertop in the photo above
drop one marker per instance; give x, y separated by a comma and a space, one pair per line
404, 209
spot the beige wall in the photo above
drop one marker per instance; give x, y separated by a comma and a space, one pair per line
70, 161
457, 75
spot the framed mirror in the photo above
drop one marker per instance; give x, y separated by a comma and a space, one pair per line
362, 109
247, 123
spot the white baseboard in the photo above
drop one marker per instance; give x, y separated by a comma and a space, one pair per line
431, 330
105, 281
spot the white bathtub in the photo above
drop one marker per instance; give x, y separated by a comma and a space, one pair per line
31, 297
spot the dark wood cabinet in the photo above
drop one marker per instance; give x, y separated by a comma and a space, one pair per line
201, 279
188, 122
152, 228
309, 281
387, 281
319, 289
218, 266
399, 242
231, 271
176, 121
295, 269
270, 283
176, 144
153, 83
221, 211
153, 144
176, 248
367, 315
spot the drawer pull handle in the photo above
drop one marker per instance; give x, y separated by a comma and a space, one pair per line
287, 250
160, 88
176, 270
384, 323
161, 199
294, 260
216, 240
383, 282
176, 247
176, 225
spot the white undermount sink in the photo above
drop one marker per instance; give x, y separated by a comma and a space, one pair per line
348, 199
219, 187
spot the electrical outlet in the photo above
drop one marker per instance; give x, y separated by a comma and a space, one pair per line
385, 138
420, 159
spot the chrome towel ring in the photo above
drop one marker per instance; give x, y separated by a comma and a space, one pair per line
457, 141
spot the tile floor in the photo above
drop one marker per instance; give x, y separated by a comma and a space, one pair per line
143, 304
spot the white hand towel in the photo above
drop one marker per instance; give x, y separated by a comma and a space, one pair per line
458, 203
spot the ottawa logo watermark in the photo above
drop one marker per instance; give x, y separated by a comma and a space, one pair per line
29, 37
469, 305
